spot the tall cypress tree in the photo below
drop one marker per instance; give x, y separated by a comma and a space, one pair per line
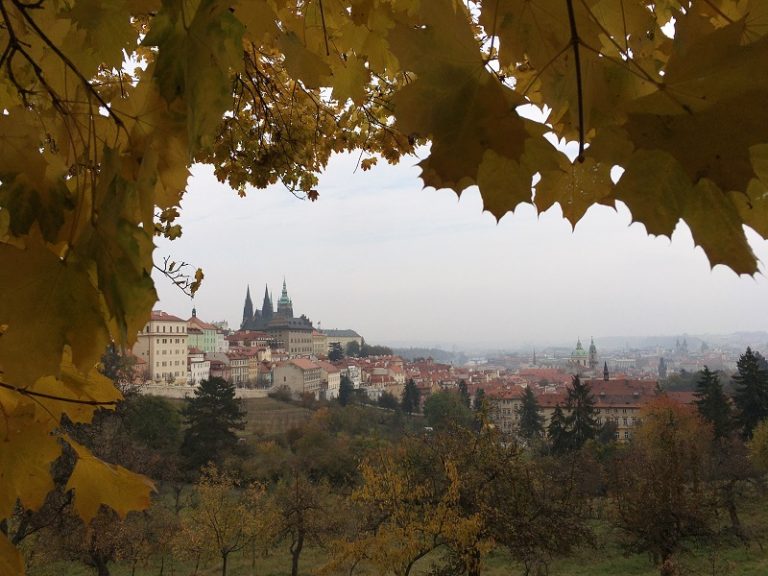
531, 420
581, 422
751, 392
212, 415
712, 403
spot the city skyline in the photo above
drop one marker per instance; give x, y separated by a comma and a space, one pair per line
399, 264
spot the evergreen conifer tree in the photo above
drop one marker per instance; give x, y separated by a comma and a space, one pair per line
751, 392
531, 420
464, 392
479, 399
411, 399
557, 432
581, 423
212, 416
346, 389
712, 403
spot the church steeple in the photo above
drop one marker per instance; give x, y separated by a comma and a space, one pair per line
592, 354
605, 371
284, 305
247, 308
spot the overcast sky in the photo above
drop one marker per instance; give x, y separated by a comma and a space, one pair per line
406, 265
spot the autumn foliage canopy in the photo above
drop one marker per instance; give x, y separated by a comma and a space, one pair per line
106, 105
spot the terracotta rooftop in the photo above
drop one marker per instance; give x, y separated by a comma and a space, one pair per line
164, 316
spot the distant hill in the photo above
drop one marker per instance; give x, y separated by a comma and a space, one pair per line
438, 355
737, 341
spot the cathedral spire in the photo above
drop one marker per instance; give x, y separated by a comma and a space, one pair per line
605, 371
267, 310
247, 308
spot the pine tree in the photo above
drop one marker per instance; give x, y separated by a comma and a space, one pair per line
212, 416
712, 403
411, 399
531, 420
557, 432
751, 392
581, 423
335, 353
346, 389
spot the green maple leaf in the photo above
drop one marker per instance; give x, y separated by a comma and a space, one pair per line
198, 50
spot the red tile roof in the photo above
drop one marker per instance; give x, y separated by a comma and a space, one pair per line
304, 363
164, 316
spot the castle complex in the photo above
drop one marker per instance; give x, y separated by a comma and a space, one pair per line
261, 319
293, 334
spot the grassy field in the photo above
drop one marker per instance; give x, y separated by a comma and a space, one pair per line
270, 417
265, 416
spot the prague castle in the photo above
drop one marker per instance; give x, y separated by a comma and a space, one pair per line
295, 334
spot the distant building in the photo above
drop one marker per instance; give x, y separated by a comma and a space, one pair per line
299, 375
579, 357
617, 401
343, 338
319, 343
201, 335
162, 344
294, 335
330, 377
198, 367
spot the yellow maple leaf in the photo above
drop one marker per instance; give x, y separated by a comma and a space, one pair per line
96, 482
27, 448
350, 78
302, 63
74, 393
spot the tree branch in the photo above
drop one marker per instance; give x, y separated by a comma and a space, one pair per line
579, 89
26, 392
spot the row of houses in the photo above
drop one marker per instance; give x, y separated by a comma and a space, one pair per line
172, 350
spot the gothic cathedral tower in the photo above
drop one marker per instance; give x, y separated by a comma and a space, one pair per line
247, 309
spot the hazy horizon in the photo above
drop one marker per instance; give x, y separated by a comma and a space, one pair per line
378, 254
